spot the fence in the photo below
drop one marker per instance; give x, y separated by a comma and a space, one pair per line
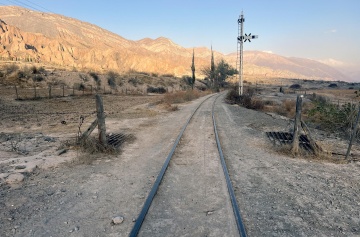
27, 93
31, 93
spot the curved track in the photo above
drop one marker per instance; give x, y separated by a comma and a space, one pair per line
237, 215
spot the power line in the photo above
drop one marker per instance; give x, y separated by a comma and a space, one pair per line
34, 6
27, 5
40, 6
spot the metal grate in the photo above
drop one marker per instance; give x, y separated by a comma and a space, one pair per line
115, 139
283, 138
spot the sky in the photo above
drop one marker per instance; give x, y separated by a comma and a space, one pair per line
315, 29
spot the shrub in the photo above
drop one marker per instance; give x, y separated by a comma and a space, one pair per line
233, 97
134, 81
96, 78
333, 85
10, 68
331, 117
38, 78
246, 100
111, 77
182, 96
81, 87
21, 74
295, 86
84, 77
159, 90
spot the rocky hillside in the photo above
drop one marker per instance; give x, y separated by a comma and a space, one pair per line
62, 41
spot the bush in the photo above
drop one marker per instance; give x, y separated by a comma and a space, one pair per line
333, 85
158, 90
182, 96
84, 77
134, 81
38, 78
246, 100
10, 68
331, 117
295, 86
111, 77
36, 70
233, 97
96, 78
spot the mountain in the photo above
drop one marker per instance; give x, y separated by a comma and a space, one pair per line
57, 40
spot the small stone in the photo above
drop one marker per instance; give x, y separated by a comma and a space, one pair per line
62, 151
49, 139
117, 220
133, 219
209, 213
15, 178
20, 167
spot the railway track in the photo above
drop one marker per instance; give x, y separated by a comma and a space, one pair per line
206, 179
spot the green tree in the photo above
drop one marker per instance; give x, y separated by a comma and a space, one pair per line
212, 70
219, 73
223, 71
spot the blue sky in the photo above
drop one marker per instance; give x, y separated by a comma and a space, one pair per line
315, 29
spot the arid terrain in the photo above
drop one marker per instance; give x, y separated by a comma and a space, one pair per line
49, 191
55, 181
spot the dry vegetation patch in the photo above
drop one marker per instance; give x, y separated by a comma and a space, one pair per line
328, 112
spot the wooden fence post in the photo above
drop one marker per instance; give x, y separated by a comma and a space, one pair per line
63, 87
49, 92
88, 131
35, 94
313, 144
101, 120
296, 134
353, 135
16, 91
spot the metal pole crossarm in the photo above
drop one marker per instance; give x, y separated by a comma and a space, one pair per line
241, 39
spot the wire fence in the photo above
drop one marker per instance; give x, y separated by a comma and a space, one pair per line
27, 93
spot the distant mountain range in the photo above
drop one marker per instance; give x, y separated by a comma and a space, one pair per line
62, 41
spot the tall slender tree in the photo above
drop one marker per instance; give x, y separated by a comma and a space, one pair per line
212, 68
193, 71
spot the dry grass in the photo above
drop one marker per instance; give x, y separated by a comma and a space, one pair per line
168, 107
183, 96
324, 156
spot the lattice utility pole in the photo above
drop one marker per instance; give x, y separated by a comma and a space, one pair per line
241, 39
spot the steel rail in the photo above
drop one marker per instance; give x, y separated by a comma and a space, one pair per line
139, 221
236, 209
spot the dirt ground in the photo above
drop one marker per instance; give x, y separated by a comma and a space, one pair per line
59, 196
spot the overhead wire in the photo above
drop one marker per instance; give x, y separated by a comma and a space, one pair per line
34, 6
40, 6
25, 5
